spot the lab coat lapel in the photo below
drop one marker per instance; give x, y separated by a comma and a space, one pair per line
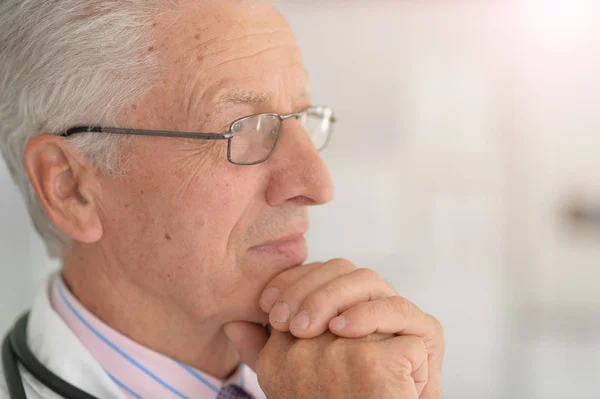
57, 348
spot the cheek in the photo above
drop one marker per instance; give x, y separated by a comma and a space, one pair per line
208, 230
182, 193
197, 219
187, 228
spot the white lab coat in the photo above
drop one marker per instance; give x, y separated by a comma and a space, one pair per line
57, 348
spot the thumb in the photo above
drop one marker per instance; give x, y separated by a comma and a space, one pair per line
248, 338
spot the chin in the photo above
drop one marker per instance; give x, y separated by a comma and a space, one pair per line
260, 268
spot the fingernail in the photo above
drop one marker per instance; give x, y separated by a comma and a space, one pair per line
301, 321
269, 297
280, 312
338, 323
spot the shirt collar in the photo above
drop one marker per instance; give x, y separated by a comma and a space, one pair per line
139, 371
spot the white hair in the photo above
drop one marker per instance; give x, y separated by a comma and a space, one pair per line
66, 63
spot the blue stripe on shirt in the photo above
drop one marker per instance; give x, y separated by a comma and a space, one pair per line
114, 347
196, 375
123, 386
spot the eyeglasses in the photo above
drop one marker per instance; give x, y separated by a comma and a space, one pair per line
252, 139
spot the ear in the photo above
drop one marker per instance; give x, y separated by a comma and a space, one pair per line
64, 185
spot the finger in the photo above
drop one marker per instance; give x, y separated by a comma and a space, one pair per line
277, 346
281, 282
410, 365
248, 338
391, 315
433, 388
372, 337
292, 296
280, 340
326, 302
421, 377
396, 315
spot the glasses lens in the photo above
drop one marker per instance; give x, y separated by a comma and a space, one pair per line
318, 123
254, 139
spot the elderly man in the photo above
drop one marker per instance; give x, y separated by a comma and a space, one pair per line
168, 152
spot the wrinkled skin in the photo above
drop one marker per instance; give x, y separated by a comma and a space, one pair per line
176, 253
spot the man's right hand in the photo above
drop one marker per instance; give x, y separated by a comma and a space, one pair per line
331, 367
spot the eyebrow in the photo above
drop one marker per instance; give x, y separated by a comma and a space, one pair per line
242, 97
237, 97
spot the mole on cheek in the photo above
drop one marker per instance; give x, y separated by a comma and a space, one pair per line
168, 237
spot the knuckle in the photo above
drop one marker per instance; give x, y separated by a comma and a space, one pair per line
368, 274
402, 305
314, 264
299, 352
415, 343
368, 310
402, 367
343, 264
291, 295
281, 282
438, 331
411, 352
322, 297
418, 349
288, 277
437, 325
336, 351
368, 354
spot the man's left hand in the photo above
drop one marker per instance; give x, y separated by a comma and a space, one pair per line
352, 303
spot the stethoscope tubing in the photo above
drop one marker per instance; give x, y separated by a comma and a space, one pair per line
14, 350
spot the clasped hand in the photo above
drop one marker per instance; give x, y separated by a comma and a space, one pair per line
341, 332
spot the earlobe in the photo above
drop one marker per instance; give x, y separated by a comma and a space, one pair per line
61, 182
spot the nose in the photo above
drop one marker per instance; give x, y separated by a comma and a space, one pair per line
298, 173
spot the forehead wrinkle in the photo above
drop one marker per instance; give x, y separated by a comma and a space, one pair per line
206, 68
202, 58
220, 44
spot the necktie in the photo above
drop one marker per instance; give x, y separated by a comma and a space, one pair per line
233, 392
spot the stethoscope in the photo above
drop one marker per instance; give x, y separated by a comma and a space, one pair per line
14, 350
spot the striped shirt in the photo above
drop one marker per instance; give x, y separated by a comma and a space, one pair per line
139, 371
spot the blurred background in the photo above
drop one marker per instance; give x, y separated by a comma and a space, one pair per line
467, 169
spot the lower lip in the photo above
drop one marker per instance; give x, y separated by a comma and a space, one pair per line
293, 248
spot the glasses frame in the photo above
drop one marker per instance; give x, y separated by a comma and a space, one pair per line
229, 135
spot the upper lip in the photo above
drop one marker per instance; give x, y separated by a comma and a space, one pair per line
282, 239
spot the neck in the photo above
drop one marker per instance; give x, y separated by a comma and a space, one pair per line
154, 322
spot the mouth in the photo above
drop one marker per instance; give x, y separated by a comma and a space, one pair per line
293, 246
